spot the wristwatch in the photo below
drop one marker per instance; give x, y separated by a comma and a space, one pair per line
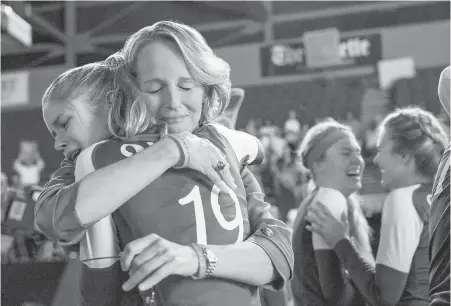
211, 260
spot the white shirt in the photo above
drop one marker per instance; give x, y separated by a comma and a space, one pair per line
29, 174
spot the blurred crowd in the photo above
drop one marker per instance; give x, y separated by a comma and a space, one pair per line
285, 182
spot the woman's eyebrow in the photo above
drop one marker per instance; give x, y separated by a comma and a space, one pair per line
186, 79
152, 80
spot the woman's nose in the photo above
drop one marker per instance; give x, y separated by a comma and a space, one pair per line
172, 97
60, 143
357, 159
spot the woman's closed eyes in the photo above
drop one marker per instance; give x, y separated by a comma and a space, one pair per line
155, 86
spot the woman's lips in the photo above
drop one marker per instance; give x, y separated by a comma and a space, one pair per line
172, 120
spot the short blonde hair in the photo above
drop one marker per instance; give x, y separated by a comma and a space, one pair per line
129, 113
205, 67
85, 80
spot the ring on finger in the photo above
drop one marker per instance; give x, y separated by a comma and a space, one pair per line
219, 166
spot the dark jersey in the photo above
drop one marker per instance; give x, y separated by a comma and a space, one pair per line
439, 231
319, 276
185, 207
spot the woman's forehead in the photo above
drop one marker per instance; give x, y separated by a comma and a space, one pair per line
53, 108
52, 111
347, 142
158, 53
384, 137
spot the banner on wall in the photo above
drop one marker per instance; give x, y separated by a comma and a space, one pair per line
394, 69
290, 58
15, 89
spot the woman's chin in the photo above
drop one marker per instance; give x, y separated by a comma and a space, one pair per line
179, 127
352, 188
355, 182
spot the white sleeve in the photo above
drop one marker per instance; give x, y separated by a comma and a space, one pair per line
83, 164
401, 229
101, 237
243, 144
337, 205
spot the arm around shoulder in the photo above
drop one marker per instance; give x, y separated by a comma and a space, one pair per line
54, 211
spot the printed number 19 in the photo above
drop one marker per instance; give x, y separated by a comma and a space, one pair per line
201, 229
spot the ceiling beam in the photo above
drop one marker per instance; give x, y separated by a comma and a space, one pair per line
57, 5
115, 18
358, 7
42, 47
255, 10
206, 27
51, 55
47, 26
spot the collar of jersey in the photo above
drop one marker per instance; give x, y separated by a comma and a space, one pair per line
145, 137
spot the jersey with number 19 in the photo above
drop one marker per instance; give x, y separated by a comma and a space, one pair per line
183, 206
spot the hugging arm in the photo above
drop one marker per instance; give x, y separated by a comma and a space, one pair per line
61, 212
336, 287
65, 208
266, 257
400, 235
269, 256
54, 216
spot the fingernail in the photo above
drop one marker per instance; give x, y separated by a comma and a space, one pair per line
125, 287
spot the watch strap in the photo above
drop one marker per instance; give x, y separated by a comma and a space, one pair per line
202, 270
210, 259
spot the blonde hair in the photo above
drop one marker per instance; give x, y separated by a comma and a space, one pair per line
101, 83
129, 113
81, 81
204, 66
418, 133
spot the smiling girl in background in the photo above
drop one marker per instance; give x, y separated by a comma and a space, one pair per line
332, 154
410, 144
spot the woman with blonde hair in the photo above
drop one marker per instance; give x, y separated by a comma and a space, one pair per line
410, 144
332, 154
